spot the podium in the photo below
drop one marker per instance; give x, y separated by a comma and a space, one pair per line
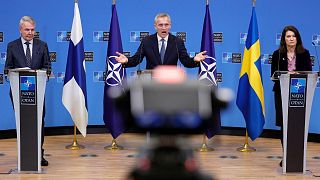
297, 90
28, 89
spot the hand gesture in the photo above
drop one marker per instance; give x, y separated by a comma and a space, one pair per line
121, 58
200, 56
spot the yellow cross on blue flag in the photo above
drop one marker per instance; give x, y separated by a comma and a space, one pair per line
250, 98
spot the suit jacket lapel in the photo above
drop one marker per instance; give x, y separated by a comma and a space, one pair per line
171, 45
35, 49
21, 51
155, 48
300, 66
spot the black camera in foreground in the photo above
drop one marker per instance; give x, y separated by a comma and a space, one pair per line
182, 108
168, 111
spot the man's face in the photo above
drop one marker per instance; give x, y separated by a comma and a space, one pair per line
27, 31
163, 26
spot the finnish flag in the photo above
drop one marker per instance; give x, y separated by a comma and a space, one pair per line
74, 95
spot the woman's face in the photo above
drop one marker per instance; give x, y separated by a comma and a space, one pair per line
291, 40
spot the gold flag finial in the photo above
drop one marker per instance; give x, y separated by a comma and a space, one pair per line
113, 1
254, 2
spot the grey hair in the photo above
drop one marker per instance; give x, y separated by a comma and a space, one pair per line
161, 15
27, 19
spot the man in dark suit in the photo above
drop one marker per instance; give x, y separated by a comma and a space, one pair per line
29, 52
161, 48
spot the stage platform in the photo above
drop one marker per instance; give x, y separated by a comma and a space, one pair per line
94, 162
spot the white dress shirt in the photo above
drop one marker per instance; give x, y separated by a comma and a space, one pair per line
25, 46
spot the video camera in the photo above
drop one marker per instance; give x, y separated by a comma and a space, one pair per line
182, 108
167, 111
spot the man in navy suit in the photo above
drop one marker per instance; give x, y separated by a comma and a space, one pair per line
161, 48
29, 52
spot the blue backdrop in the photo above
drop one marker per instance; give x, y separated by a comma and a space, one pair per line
229, 17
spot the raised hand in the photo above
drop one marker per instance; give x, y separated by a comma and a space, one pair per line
200, 56
121, 58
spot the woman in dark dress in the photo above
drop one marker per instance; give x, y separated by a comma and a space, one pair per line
291, 56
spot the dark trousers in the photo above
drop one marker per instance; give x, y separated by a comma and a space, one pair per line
279, 116
281, 135
42, 127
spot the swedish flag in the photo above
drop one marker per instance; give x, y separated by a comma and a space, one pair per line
250, 98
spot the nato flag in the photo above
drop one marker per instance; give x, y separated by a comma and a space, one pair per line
208, 70
115, 77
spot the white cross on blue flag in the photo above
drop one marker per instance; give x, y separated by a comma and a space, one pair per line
74, 95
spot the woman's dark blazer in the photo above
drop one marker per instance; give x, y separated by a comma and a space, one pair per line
303, 63
280, 62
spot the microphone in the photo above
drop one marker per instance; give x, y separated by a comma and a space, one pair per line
6, 72
315, 49
140, 56
175, 40
48, 72
277, 72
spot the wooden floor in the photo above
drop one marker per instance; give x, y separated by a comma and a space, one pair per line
94, 162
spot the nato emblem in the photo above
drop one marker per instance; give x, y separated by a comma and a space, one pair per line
60, 77
3, 56
243, 38
98, 76
63, 36
226, 57
207, 71
28, 90
316, 39
134, 36
97, 36
297, 92
265, 59
115, 72
278, 38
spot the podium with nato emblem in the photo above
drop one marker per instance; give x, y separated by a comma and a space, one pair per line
297, 90
28, 89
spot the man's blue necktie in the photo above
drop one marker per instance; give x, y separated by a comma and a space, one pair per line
162, 50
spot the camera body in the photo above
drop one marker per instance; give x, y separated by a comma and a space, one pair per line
168, 111
182, 108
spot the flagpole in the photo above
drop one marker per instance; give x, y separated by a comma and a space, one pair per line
113, 145
75, 145
246, 147
204, 146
